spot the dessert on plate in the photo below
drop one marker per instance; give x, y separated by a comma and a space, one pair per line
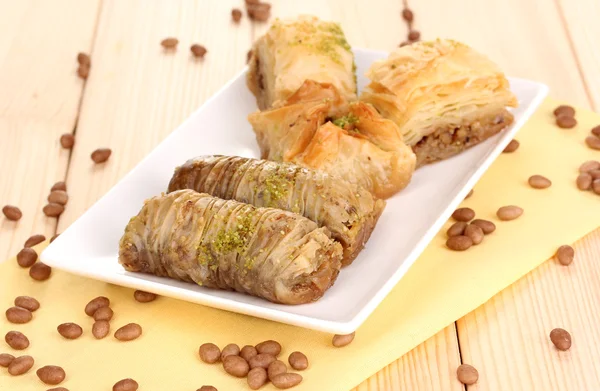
444, 96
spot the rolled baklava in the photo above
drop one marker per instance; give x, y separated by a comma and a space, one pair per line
444, 96
296, 50
224, 244
348, 211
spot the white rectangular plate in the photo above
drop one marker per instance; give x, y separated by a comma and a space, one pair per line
89, 247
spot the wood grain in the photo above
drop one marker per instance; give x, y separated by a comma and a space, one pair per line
39, 98
507, 339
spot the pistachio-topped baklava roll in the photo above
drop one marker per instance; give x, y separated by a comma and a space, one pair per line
224, 244
296, 50
349, 211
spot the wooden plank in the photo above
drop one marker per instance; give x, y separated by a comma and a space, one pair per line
507, 339
39, 99
137, 94
430, 366
580, 19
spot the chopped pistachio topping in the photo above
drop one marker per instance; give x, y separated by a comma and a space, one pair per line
322, 38
346, 122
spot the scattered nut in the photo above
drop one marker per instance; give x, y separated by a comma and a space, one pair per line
96, 303
51, 374
298, 361
20, 365
590, 165
511, 147
277, 367
169, 43
510, 212
83, 59
407, 15
565, 255
467, 374
28, 256
257, 377
59, 186
414, 35
12, 213
475, 233
101, 155
100, 329
584, 181
67, 141
539, 182
53, 209
209, 353
596, 186
486, 226
16, 340
566, 122
564, 110
286, 380
342, 340
70, 330
6, 359
456, 229
459, 243
126, 385
259, 12
595, 174
57, 389
83, 71
129, 332
18, 315
34, 240
144, 297
593, 142
561, 339
230, 350
40, 271
262, 360
236, 15
198, 50
207, 388
58, 197
248, 352
236, 366
463, 214
103, 313
29, 303
596, 131
269, 347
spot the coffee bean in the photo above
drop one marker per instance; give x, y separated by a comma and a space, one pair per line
129, 332
486, 226
590, 165
96, 303
539, 182
564, 110
463, 214
247, 352
207, 388
277, 367
29, 303
566, 122
475, 233
230, 350
565, 255
236, 15
459, 243
51, 374
561, 339
12, 213
40, 271
259, 12
286, 380
169, 43
236, 366
593, 142
54, 238
16, 340
257, 377
340, 340
70, 330
20, 365
298, 361
67, 141
596, 186
144, 297
59, 186
101, 155
103, 313
28, 256
512, 146
596, 131
407, 15
83, 72
209, 353
269, 347
6, 359
53, 209
456, 229
414, 35
198, 50
100, 329
34, 240
58, 197
126, 385
262, 360
83, 59
469, 195
584, 181
510, 212
18, 315
467, 374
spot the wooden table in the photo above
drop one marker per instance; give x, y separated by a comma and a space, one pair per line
136, 95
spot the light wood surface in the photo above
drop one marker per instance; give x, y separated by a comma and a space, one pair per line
137, 94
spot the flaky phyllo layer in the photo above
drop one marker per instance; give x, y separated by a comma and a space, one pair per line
317, 127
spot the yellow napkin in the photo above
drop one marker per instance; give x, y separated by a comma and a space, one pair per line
441, 287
